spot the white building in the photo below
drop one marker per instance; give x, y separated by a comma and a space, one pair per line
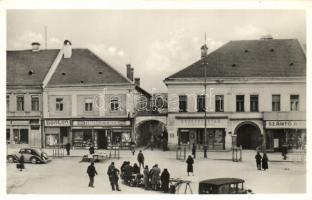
255, 91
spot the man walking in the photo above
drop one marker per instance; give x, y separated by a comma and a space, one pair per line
67, 147
141, 159
112, 173
91, 171
258, 158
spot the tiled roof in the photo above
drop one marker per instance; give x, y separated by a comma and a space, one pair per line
84, 67
27, 67
251, 58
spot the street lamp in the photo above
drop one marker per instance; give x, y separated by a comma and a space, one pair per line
204, 53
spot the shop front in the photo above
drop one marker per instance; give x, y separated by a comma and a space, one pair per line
288, 133
23, 132
56, 132
102, 134
192, 131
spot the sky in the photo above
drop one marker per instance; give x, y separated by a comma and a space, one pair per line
157, 43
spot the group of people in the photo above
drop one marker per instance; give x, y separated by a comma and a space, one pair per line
156, 180
262, 161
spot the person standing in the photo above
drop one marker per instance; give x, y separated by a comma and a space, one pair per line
190, 162
258, 158
140, 159
155, 177
21, 162
146, 177
67, 147
91, 171
112, 173
152, 141
165, 176
132, 147
265, 162
91, 149
194, 150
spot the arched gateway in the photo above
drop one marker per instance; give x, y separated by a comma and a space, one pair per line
248, 135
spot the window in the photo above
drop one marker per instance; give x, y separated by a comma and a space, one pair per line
35, 103
114, 103
20, 103
254, 103
8, 134
219, 103
201, 103
240, 103
59, 104
7, 103
276, 102
20, 136
182, 103
88, 105
294, 102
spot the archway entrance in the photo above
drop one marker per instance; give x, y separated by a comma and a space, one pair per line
151, 128
248, 135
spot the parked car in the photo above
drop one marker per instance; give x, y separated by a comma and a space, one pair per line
31, 155
222, 186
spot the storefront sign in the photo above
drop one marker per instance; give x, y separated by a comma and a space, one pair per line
20, 122
285, 124
211, 123
101, 123
57, 123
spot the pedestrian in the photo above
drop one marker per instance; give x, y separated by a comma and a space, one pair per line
21, 162
146, 177
140, 159
258, 158
113, 173
155, 171
132, 147
152, 141
190, 162
194, 150
284, 151
91, 171
91, 149
265, 162
135, 169
165, 176
67, 147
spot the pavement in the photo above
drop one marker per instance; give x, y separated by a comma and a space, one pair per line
67, 175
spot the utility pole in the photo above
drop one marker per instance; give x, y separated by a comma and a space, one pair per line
204, 53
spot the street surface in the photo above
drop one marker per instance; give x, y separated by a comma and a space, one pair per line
68, 175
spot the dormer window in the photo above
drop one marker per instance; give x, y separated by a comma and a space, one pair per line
233, 65
30, 72
63, 73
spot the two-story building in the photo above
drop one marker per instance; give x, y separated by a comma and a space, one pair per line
87, 102
253, 92
26, 70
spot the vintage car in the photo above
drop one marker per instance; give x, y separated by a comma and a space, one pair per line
94, 158
222, 186
31, 155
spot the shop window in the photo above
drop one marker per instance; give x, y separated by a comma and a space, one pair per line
240, 103
219, 103
184, 137
20, 103
254, 103
59, 104
115, 103
35, 103
83, 138
276, 102
20, 136
182, 103
8, 134
88, 105
8, 103
294, 102
201, 103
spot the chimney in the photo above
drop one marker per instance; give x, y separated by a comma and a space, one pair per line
129, 72
35, 46
204, 51
67, 49
137, 81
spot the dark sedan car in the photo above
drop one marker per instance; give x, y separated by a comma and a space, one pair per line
222, 186
31, 155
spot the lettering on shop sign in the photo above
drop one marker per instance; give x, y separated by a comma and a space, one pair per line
101, 123
200, 122
285, 124
57, 123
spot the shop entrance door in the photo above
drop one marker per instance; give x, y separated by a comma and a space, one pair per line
248, 136
102, 139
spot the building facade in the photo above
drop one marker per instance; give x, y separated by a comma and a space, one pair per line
254, 95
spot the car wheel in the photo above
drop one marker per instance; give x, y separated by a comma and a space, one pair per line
33, 160
10, 159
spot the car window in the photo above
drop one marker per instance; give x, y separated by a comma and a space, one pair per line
22, 151
28, 151
33, 152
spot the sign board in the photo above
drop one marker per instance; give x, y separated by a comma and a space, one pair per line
275, 143
285, 124
101, 123
198, 123
57, 122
